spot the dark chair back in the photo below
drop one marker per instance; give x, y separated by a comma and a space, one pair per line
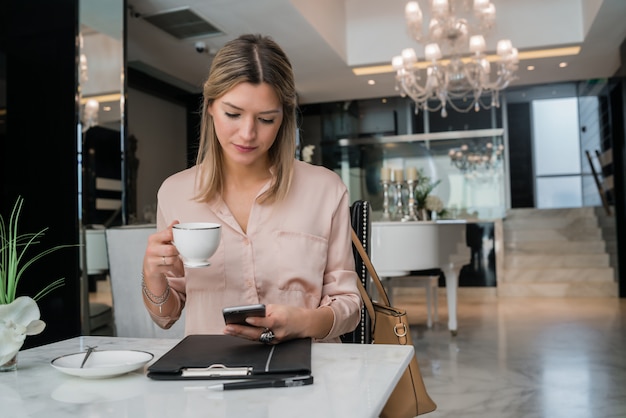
360, 213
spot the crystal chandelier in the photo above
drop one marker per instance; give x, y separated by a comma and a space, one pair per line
466, 74
478, 158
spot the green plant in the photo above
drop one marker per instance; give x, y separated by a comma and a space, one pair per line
423, 188
13, 253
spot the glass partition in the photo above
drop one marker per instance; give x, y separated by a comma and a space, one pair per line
101, 139
468, 167
102, 118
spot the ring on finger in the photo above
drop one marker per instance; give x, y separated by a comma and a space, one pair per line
267, 336
164, 263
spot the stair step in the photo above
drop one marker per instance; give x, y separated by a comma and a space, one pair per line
557, 253
552, 235
557, 274
611, 247
554, 247
557, 290
569, 213
603, 217
607, 223
551, 223
555, 260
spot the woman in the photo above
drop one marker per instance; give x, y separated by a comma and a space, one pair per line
285, 224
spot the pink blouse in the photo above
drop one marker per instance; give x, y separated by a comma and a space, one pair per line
296, 252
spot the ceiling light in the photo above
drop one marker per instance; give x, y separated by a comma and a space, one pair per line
113, 97
521, 55
90, 113
562, 64
371, 82
530, 68
478, 158
445, 83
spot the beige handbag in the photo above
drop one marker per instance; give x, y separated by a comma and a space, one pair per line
390, 326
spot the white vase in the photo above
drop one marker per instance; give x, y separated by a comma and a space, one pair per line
18, 319
10, 366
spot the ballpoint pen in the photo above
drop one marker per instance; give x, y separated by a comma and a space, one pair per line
265, 383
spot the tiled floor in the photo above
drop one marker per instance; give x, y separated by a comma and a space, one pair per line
520, 357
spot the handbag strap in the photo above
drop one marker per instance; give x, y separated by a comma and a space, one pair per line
372, 271
367, 301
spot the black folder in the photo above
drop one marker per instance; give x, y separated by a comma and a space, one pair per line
226, 357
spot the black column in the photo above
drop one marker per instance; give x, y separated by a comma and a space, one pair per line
520, 156
617, 97
38, 137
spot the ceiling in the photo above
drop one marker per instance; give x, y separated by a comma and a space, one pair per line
326, 39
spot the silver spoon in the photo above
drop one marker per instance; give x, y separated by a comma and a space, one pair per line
89, 351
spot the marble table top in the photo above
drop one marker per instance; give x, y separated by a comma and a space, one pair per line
351, 380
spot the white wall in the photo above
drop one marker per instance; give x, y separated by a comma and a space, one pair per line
160, 129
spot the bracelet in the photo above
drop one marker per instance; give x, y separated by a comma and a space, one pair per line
154, 299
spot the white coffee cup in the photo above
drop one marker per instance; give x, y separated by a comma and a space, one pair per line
197, 242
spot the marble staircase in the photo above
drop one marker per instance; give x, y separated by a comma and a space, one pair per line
609, 233
556, 253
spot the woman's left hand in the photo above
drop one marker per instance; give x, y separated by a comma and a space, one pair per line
285, 323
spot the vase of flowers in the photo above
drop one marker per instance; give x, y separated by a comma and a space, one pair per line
434, 206
307, 153
19, 315
424, 201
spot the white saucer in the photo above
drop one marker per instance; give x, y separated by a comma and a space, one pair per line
101, 364
193, 265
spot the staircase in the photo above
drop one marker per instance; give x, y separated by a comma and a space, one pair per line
555, 253
609, 233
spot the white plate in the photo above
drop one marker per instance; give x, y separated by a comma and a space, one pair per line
100, 364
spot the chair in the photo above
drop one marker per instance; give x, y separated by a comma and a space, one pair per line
126, 246
360, 213
94, 266
426, 279
100, 319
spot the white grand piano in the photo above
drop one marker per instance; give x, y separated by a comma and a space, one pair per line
397, 248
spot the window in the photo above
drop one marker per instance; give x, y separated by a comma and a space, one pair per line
556, 153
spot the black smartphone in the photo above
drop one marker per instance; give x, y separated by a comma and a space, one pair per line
238, 314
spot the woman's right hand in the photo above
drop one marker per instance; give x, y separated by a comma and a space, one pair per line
162, 257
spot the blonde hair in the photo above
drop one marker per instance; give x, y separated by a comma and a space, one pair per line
253, 59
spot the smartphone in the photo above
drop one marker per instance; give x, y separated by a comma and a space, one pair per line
238, 314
